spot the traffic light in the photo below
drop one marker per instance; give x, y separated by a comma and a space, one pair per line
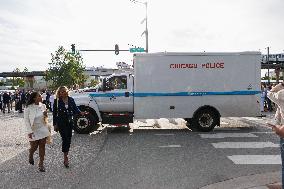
116, 49
73, 48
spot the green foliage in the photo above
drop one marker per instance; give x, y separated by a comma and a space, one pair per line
93, 82
19, 81
1, 83
65, 69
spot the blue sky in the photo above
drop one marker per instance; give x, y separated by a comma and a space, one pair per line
32, 29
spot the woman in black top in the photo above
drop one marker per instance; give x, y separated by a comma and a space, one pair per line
64, 110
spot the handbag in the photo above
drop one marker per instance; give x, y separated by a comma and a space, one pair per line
49, 138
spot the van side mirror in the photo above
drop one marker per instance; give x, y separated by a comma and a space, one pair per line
126, 94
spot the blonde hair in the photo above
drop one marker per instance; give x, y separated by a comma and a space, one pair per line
59, 89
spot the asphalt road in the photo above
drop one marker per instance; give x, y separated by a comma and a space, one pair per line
173, 159
142, 158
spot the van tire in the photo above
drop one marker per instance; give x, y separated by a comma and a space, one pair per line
85, 124
205, 120
189, 124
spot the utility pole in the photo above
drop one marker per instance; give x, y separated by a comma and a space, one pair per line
268, 65
146, 30
146, 22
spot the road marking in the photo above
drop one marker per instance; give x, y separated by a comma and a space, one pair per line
256, 159
226, 129
253, 118
164, 134
263, 132
245, 145
227, 135
170, 146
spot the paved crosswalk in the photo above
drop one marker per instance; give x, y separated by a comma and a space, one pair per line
256, 159
220, 142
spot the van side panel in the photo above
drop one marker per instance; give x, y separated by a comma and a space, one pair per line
176, 84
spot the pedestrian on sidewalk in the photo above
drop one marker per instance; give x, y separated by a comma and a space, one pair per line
52, 97
35, 115
1, 101
64, 109
6, 101
276, 95
262, 98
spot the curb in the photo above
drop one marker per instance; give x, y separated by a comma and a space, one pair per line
247, 182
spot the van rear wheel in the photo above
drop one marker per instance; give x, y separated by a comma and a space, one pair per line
204, 120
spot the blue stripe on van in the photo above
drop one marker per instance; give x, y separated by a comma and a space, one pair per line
107, 94
177, 94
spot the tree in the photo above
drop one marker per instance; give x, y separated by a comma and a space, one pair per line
20, 82
93, 82
13, 83
17, 70
65, 68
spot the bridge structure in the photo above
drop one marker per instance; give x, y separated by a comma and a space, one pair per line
22, 74
273, 62
273, 65
269, 62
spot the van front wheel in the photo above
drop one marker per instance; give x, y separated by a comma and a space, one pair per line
84, 124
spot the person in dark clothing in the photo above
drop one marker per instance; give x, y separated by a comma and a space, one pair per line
22, 101
1, 101
269, 103
23, 97
6, 101
17, 99
47, 100
64, 109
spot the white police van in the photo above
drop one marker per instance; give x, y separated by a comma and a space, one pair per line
199, 87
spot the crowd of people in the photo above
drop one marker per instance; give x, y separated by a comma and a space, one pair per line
19, 98
266, 105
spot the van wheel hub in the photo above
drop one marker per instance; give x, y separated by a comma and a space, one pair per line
205, 120
82, 122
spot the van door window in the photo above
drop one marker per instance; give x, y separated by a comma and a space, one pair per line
116, 82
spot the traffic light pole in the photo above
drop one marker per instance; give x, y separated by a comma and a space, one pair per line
102, 50
116, 49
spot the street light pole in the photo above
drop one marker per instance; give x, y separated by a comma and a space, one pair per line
146, 31
146, 22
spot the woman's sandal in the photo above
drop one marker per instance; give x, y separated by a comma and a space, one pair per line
66, 164
41, 168
31, 161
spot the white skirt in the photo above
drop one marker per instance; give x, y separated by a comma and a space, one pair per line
40, 130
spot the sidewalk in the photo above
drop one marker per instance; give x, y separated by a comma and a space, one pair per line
270, 180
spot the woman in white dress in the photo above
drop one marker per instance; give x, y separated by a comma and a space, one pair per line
35, 120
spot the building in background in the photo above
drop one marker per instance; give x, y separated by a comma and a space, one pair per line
35, 79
